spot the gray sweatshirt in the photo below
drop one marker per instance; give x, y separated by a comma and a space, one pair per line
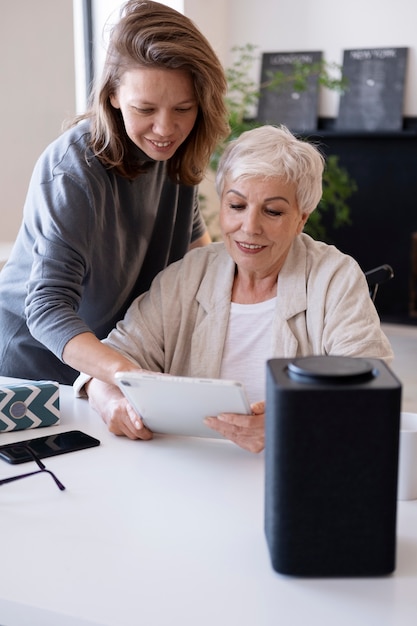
89, 243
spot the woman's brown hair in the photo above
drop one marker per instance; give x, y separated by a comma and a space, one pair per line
150, 34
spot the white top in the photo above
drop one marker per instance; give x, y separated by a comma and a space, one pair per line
169, 531
249, 333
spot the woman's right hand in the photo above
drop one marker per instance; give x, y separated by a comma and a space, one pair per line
115, 410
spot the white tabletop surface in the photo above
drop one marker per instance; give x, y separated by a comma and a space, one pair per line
167, 532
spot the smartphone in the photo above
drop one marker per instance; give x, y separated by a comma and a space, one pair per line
51, 445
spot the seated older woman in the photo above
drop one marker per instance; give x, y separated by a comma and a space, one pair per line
268, 291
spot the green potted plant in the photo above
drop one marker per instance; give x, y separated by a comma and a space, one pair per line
242, 98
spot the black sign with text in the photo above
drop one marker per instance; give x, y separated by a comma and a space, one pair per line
286, 104
374, 96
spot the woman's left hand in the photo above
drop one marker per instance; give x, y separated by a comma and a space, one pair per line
247, 431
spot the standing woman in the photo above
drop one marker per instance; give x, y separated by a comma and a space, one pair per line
114, 199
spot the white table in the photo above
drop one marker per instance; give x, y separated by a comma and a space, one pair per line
167, 532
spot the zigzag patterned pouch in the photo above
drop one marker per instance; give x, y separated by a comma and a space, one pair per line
29, 405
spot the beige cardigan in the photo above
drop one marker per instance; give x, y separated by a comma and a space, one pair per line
323, 307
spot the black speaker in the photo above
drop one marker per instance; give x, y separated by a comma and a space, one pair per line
331, 464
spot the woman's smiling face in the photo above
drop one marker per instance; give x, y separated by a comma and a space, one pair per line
159, 109
259, 219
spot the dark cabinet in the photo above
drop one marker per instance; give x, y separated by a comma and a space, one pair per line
383, 211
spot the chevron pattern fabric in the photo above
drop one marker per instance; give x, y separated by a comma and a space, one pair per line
30, 405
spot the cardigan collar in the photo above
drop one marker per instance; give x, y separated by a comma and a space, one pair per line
216, 286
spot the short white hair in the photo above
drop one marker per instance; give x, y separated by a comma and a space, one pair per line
274, 152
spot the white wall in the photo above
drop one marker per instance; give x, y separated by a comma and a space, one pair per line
37, 70
327, 25
37, 94
296, 25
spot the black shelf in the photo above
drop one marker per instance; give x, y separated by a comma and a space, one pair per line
383, 210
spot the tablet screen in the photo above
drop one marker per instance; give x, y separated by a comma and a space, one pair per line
177, 405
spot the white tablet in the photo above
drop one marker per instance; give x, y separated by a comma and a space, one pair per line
177, 405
